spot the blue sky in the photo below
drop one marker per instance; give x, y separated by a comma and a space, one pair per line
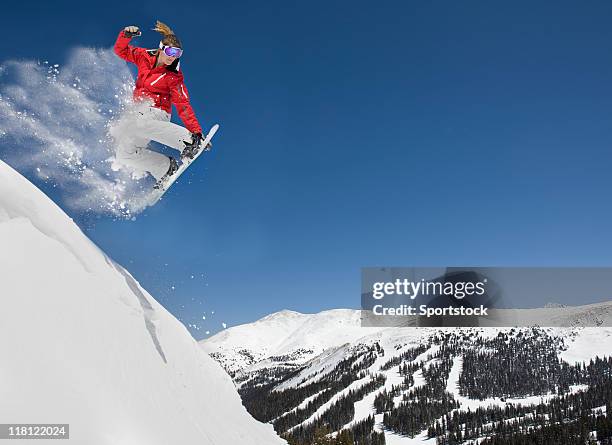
354, 134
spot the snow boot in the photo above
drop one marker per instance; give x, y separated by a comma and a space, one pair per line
171, 170
192, 148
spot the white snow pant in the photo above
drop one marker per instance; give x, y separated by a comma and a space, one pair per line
135, 129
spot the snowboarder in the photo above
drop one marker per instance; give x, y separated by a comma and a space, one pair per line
159, 84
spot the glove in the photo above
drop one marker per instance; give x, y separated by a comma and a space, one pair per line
131, 31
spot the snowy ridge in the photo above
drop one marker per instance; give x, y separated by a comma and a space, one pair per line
316, 373
85, 344
300, 337
286, 334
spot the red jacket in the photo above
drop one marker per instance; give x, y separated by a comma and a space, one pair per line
164, 84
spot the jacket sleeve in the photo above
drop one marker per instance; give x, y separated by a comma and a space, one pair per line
126, 51
180, 99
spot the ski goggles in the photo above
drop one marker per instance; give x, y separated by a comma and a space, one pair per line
171, 51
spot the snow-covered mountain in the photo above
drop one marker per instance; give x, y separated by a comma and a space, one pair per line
286, 336
307, 371
292, 337
83, 343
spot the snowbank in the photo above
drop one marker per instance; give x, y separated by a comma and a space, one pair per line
84, 344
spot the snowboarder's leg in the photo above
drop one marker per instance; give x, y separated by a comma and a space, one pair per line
136, 156
131, 147
132, 152
156, 126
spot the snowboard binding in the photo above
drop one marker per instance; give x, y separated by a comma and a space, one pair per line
171, 170
192, 148
173, 175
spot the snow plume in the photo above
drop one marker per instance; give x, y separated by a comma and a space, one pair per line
54, 126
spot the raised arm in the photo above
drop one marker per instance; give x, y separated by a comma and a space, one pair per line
123, 48
180, 99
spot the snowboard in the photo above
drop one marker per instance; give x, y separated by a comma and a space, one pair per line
157, 194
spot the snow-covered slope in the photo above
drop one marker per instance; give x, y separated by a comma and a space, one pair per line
290, 335
84, 344
320, 360
294, 338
